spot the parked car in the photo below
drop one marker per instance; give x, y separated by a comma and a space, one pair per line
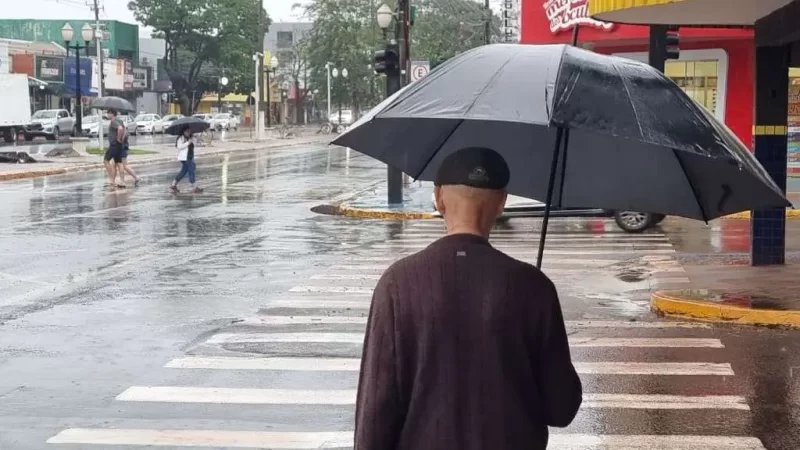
630, 221
50, 123
168, 119
225, 121
130, 124
90, 123
207, 117
346, 117
149, 124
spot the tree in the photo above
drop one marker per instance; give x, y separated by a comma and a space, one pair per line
345, 34
203, 38
445, 28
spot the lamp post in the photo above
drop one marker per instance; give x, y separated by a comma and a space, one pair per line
222, 82
256, 118
87, 33
273, 66
394, 81
284, 96
334, 72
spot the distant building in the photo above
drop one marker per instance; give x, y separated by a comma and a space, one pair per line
281, 41
282, 36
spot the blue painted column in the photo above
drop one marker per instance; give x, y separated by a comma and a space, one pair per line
768, 227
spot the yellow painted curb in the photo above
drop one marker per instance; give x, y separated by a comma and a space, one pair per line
670, 305
790, 214
383, 214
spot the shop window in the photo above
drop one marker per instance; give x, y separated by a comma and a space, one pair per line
699, 79
794, 116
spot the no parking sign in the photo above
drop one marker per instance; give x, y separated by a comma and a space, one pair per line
419, 69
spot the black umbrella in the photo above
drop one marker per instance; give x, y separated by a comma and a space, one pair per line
118, 103
193, 123
577, 128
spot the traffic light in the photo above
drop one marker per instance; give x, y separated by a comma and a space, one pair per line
672, 48
387, 60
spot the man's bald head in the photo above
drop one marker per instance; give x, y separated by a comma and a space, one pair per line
470, 190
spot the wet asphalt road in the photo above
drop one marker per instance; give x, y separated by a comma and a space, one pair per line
234, 318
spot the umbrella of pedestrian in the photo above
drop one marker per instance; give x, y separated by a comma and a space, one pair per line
118, 103
578, 129
193, 123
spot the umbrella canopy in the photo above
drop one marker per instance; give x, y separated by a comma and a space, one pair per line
593, 130
193, 123
118, 103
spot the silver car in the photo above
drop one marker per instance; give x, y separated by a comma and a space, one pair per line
50, 123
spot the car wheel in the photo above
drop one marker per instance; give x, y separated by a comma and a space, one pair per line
633, 221
10, 135
54, 136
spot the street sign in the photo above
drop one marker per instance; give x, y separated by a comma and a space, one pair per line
419, 69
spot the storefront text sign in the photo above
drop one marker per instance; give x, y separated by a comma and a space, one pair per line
565, 14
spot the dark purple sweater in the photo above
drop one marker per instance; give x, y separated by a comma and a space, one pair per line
465, 349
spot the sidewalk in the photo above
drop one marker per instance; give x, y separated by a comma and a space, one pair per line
373, 204
736, 293
163, 153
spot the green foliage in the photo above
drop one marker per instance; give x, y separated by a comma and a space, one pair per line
204, 39
346, 34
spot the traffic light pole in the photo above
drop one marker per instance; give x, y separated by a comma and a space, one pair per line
395, 80
394, 177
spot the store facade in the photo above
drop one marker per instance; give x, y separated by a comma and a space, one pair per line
716, 65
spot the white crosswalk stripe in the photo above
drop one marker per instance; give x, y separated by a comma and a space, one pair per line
297, 328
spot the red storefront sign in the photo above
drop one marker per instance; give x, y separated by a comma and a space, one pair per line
23, 63
565, 14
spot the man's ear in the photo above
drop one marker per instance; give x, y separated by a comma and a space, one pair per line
437, 195
502, 206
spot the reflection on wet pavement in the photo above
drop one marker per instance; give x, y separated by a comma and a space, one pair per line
124, 313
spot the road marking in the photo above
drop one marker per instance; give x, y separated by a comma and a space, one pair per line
637, 368
253, 338
333, 289
178, 394
321, 303
358, 338
205, 438
354, 365
181, 394
568, 441
287, 364
344, 439
512, 251
337, 276
571, 324
650, 401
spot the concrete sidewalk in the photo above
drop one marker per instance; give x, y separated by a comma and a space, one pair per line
161, 153
736, 293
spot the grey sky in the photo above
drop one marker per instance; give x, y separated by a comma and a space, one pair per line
279, 10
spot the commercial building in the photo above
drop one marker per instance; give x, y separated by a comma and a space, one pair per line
287, 100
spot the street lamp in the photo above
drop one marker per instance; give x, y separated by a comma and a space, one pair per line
87, 33
284, 96
385, 16
256, 119
273, 66
335, 73
223, 81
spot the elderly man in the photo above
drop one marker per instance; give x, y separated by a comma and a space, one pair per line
466, 347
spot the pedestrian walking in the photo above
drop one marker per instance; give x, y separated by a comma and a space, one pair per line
118, 147
185, 144
466, 347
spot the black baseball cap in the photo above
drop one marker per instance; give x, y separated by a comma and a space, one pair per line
477, 167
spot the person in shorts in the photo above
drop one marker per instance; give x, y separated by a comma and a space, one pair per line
119, 147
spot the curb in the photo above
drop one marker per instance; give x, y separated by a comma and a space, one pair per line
98, 166
671, 305
362, 213
790, 214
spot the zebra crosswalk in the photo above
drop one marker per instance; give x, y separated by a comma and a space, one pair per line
286, 377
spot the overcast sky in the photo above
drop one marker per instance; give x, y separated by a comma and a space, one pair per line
279, 10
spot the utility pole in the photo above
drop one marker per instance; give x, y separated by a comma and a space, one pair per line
98, 37
259, 49
487, 18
